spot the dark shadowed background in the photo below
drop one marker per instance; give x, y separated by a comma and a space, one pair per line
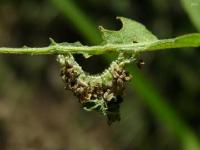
161, 105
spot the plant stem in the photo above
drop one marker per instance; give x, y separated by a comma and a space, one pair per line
100, 49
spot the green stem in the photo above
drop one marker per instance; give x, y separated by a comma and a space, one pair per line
102, 49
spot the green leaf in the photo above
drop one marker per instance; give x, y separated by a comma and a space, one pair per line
131, 32
192, 7
189, 40
77, 44
134, 36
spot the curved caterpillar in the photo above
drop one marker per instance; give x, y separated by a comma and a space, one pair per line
100, 92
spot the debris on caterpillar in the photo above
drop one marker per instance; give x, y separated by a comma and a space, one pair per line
100, 92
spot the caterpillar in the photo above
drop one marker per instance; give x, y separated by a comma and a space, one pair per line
101, 92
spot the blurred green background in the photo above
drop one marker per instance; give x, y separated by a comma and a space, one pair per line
161, 105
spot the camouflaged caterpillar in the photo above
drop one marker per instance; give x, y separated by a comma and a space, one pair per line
101, 92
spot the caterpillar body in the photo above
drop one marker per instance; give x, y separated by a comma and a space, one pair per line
100, 92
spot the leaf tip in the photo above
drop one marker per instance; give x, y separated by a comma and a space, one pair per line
52, 42
101, 28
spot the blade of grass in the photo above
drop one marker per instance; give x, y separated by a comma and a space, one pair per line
157, 104
78, 19
192, 7
163, 111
